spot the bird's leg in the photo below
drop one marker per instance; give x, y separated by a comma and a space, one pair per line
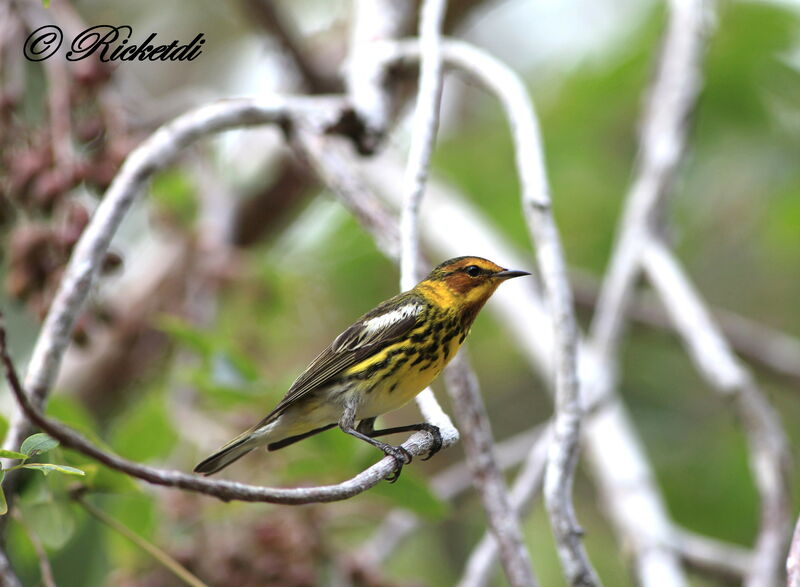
401, 456
436, 435
366, 426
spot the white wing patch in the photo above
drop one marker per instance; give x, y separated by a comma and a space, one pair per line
389, 318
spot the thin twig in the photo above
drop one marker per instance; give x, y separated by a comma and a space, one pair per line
160, 555
769, 449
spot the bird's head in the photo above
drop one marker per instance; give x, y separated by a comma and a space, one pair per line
465, 282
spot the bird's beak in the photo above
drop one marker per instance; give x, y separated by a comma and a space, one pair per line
508, 274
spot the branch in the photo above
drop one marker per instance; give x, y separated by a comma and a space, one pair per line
423, 136
662, 142
620, 466
793, 562
417, 444
462, 385
767, 347
769, 450
477, 571
664, 127
374, 23
513, 96
160, 149
713, 557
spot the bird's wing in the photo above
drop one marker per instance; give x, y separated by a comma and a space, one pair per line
384, 325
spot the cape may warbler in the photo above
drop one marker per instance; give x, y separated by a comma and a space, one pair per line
378, 364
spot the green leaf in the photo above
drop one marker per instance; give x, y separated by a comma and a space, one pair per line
38, 444
196, 339
10, 454
51, 520
47, 467
3, 504
3, 426
146, 432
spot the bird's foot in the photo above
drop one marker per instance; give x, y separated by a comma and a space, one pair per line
436, 434
401, 457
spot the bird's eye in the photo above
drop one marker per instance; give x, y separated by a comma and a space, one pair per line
473, 270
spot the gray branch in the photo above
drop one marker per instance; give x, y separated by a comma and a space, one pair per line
468, 406
417, 444
769, 450
793, 562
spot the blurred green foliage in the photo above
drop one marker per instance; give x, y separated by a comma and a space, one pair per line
736, 226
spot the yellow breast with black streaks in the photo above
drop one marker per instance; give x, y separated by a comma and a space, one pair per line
406, 367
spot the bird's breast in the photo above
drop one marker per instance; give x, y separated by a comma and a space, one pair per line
415, 363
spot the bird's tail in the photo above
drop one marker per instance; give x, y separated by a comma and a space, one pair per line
233, 451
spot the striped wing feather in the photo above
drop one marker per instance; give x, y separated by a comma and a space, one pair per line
385, 325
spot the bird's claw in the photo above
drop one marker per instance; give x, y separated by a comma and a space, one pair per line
401, 457
436, 445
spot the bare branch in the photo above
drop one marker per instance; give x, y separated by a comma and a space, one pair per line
8, 577
769, 451
374, 22
477, 571
152, 155
462, 385
662, 141
793, 562
417, 444
764, 346
712, 557
513, 96
620, 466
423, 136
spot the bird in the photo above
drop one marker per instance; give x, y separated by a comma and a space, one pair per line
377, 365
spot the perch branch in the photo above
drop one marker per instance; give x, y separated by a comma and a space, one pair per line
417, 444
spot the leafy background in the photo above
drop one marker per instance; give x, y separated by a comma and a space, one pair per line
736, 227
